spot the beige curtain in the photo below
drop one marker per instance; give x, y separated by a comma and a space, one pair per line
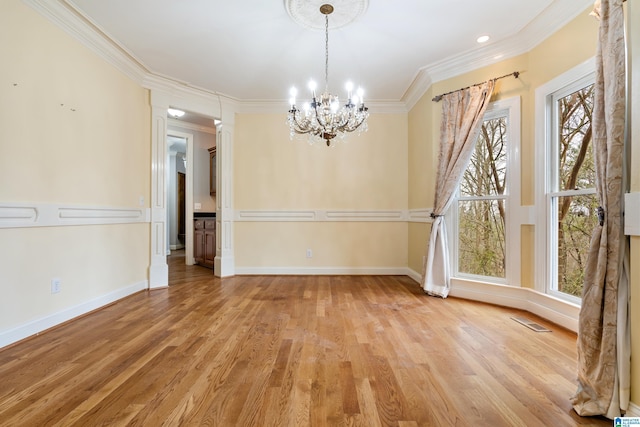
462, 114
603, 337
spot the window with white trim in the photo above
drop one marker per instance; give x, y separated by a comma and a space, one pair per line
567, 198
485, 237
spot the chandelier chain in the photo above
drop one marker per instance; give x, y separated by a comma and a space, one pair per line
326, 53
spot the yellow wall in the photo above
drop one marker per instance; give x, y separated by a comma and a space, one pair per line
570, 46
366, 172
97, 155
423, 160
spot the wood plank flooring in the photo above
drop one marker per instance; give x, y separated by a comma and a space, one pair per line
292, 351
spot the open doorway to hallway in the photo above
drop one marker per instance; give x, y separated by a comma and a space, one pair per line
179, 191
191, 196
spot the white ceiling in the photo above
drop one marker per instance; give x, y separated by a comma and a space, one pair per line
252, 50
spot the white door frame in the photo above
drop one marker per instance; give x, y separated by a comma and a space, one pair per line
164, 94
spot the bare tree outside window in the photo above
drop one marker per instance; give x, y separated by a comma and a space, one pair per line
481, 204
574, 201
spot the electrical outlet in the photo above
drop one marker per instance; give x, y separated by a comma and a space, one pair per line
309, 253
56, 285
197, 206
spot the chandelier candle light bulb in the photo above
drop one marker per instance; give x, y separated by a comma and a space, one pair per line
325, 118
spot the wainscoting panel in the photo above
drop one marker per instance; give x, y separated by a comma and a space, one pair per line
328, 215
23, 215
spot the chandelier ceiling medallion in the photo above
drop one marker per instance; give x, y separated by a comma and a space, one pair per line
323, 118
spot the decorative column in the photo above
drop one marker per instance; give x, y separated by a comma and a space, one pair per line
158, 270
224, 261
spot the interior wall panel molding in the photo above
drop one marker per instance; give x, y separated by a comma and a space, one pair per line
24, 215
632, 214
334, 215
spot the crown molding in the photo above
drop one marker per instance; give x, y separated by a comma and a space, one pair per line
183, 89
83, 29
418, 87
543, 26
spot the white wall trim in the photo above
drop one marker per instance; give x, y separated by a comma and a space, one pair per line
553, 309
633, 410
414, 275
420, 215
39, 325
314, 271
558, 311
24, 215
327, 215
321, 215
190, 126
632, 214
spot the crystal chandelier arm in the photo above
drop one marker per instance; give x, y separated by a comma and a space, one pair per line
301, 128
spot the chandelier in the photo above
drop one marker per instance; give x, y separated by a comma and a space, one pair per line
324, 118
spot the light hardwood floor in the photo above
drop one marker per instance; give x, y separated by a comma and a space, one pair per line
292, 351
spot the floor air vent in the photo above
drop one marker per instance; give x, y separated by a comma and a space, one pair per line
531, 324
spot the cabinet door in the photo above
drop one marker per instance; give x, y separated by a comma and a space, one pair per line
198, 246
209, 247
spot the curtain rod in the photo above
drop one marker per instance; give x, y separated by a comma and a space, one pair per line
438, 98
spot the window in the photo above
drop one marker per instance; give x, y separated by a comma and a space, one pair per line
481, 214
568, 201
572, 197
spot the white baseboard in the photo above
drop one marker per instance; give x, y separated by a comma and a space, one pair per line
414, 275
560, 312
159, 275
555, 310
35, 327
633, 410
308, 271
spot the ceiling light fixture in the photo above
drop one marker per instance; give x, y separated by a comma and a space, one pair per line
324, 118
482, 39
175, 113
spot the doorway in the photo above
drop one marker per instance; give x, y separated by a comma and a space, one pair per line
181, 208
180, 193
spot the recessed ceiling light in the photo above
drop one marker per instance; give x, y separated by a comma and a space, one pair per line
175, 113
482, 39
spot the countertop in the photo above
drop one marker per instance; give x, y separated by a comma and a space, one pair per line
197, 215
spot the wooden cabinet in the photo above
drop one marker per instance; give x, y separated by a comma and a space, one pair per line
212, 171
204, 250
